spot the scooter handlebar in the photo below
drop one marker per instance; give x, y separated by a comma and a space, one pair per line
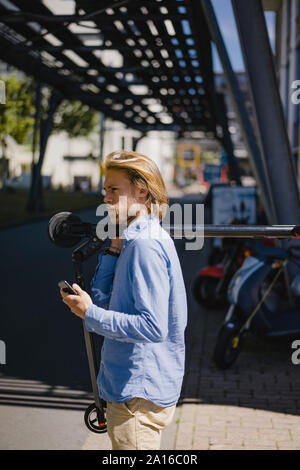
235, 231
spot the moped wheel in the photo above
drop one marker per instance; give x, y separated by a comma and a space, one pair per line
229, 344
204, 291
91, 420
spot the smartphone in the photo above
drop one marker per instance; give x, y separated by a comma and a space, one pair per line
65, 286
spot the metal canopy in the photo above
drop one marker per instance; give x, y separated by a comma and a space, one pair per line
163, 77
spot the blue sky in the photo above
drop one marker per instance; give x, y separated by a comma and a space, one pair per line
225, 17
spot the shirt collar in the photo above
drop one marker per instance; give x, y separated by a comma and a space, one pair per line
137, 226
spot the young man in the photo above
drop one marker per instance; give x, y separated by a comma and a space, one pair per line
139, 305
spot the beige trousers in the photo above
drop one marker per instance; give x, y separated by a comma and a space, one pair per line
137, 424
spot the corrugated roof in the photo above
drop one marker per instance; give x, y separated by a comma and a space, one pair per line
146, 63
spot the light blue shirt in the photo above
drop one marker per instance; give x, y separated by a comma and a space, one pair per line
140, 307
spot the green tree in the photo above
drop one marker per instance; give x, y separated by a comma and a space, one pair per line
57, 114
16, 116
75, 118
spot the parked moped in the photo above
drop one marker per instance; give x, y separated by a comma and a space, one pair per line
261, 302
211, 282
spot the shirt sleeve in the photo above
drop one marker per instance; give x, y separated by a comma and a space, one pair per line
150, 285
101, 284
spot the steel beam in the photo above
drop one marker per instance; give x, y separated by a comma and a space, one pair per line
27, 17
237, 100
267, 108
46, 127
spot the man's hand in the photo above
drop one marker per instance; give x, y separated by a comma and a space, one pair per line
117, 243
78, 304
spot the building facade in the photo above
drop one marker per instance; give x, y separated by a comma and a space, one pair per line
287, 65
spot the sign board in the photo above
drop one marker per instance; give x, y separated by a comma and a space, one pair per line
230, 202
188, 155
212, 173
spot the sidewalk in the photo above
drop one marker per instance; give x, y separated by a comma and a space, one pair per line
253, 405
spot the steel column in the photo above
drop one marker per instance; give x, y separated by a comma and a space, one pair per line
45, 131
136, 140
267, 107
241, 111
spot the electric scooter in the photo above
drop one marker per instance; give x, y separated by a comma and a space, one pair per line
211, 282
261, 302
66, 230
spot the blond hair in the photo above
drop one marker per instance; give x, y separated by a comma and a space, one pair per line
143, 173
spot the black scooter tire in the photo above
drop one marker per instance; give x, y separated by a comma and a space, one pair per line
204, 288
229, 345
91, 420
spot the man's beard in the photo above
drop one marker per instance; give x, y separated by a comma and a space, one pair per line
119, 217
124, 215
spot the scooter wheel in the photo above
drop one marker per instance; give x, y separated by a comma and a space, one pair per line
204, 290
229, 344
91, 420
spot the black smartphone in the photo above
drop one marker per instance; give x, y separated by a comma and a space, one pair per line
65, 286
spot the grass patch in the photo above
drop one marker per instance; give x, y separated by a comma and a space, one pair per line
13, 204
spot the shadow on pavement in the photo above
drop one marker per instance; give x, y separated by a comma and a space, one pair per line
44, 340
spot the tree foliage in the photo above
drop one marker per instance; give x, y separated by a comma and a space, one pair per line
75, 118
17, 114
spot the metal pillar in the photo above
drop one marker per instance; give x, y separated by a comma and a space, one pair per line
241, 111
45, 131
37, 118
135, 140
267, 107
